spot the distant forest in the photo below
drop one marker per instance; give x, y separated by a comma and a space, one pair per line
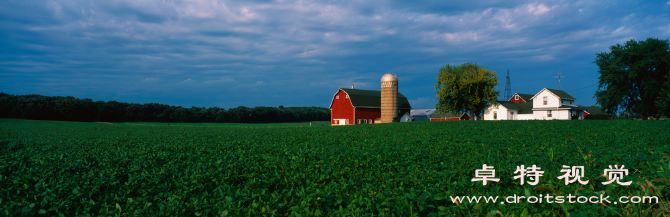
68, 108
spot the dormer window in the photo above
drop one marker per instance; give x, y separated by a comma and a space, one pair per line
544, 100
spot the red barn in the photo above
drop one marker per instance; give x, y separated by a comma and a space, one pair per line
520, 98
352, 106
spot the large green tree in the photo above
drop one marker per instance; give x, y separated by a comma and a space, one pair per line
465, 88
663, 102
632, 76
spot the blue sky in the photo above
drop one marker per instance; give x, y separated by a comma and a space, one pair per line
297, 53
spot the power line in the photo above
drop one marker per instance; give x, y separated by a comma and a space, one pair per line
583, 88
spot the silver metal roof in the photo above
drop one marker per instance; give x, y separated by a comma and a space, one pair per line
389, 77
422, 112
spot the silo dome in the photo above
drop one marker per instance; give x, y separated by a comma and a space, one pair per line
389, 77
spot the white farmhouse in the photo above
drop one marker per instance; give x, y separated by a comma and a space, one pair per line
548, 104
505, 110
555, 104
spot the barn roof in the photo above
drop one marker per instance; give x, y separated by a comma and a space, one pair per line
372, 98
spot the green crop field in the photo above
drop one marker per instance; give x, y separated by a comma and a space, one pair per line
401, 169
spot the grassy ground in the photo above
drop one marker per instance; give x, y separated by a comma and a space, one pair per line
405, 169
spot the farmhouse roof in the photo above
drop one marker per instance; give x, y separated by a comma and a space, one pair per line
526, 108
372, 98
523, 108
561, 94
509, 105
558, 93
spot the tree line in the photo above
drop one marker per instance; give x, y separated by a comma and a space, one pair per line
69, 108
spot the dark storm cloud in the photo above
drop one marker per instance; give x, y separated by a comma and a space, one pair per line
297, 53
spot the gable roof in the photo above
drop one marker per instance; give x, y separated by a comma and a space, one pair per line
371, 98
558, 93
523, 108
525, 97
437, 114
561, 94
509, 105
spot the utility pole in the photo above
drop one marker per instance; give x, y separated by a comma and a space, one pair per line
508, 88
559, 79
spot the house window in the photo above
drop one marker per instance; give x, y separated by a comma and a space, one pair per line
495, 115
370, 121
337, 97
362, 121
544, 100
516, 97
347, 121
347, 96
570, 102
549, 113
